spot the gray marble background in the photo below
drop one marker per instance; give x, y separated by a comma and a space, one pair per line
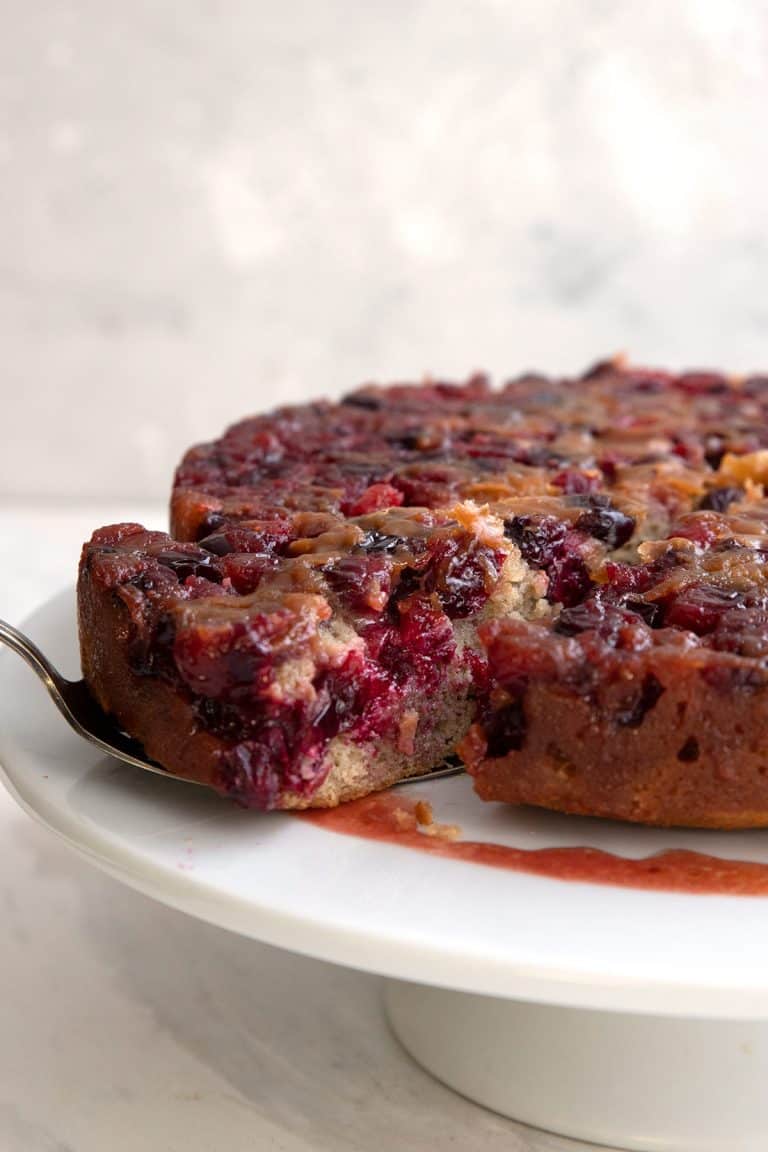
209, 206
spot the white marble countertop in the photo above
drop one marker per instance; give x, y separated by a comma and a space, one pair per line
125, 1025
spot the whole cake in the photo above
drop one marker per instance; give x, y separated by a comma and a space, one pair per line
564, 580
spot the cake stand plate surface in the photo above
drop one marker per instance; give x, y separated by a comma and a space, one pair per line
583, 1004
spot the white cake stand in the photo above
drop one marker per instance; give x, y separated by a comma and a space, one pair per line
632, 1018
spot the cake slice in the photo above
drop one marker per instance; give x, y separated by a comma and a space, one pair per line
339, 664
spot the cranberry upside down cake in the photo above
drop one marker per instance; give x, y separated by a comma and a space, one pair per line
562, 580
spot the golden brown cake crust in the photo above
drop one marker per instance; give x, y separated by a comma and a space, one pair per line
695, 761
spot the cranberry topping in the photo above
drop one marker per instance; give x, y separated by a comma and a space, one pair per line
547, 543
423, 643
742, 631
259, 771
374, 497
569, 580
606, 523
616, 627
246, 571
574, 483
699, 608
266, 536
307, 500
540, 539
701, 528
363, 583
236, 657
462, 573
425, 487
189, 563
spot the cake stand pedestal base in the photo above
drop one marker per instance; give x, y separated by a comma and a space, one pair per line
648, 1083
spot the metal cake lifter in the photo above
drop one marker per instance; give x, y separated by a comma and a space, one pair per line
83, 714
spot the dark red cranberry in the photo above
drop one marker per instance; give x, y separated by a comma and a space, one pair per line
267, 447
702, 383
380, 636
210, 523
608, 524
363, 697
720, 499
546, 543
156, 579
625, 578
687, 446
252, 774
648, 610
196, 587
362, 583
488, 447
114, 534
416, 649
246, 571
375, 497
742, 631
363, 400
609, 466
699, 608
462, 573
634, 711
648, 381
539, 538
237, 658
607, 620
728, 678
569, 580
425, 630
701, 529
477, 664
192, 563
574, 483
582, 617
285, 755
505, 730
428, 487
267, 537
